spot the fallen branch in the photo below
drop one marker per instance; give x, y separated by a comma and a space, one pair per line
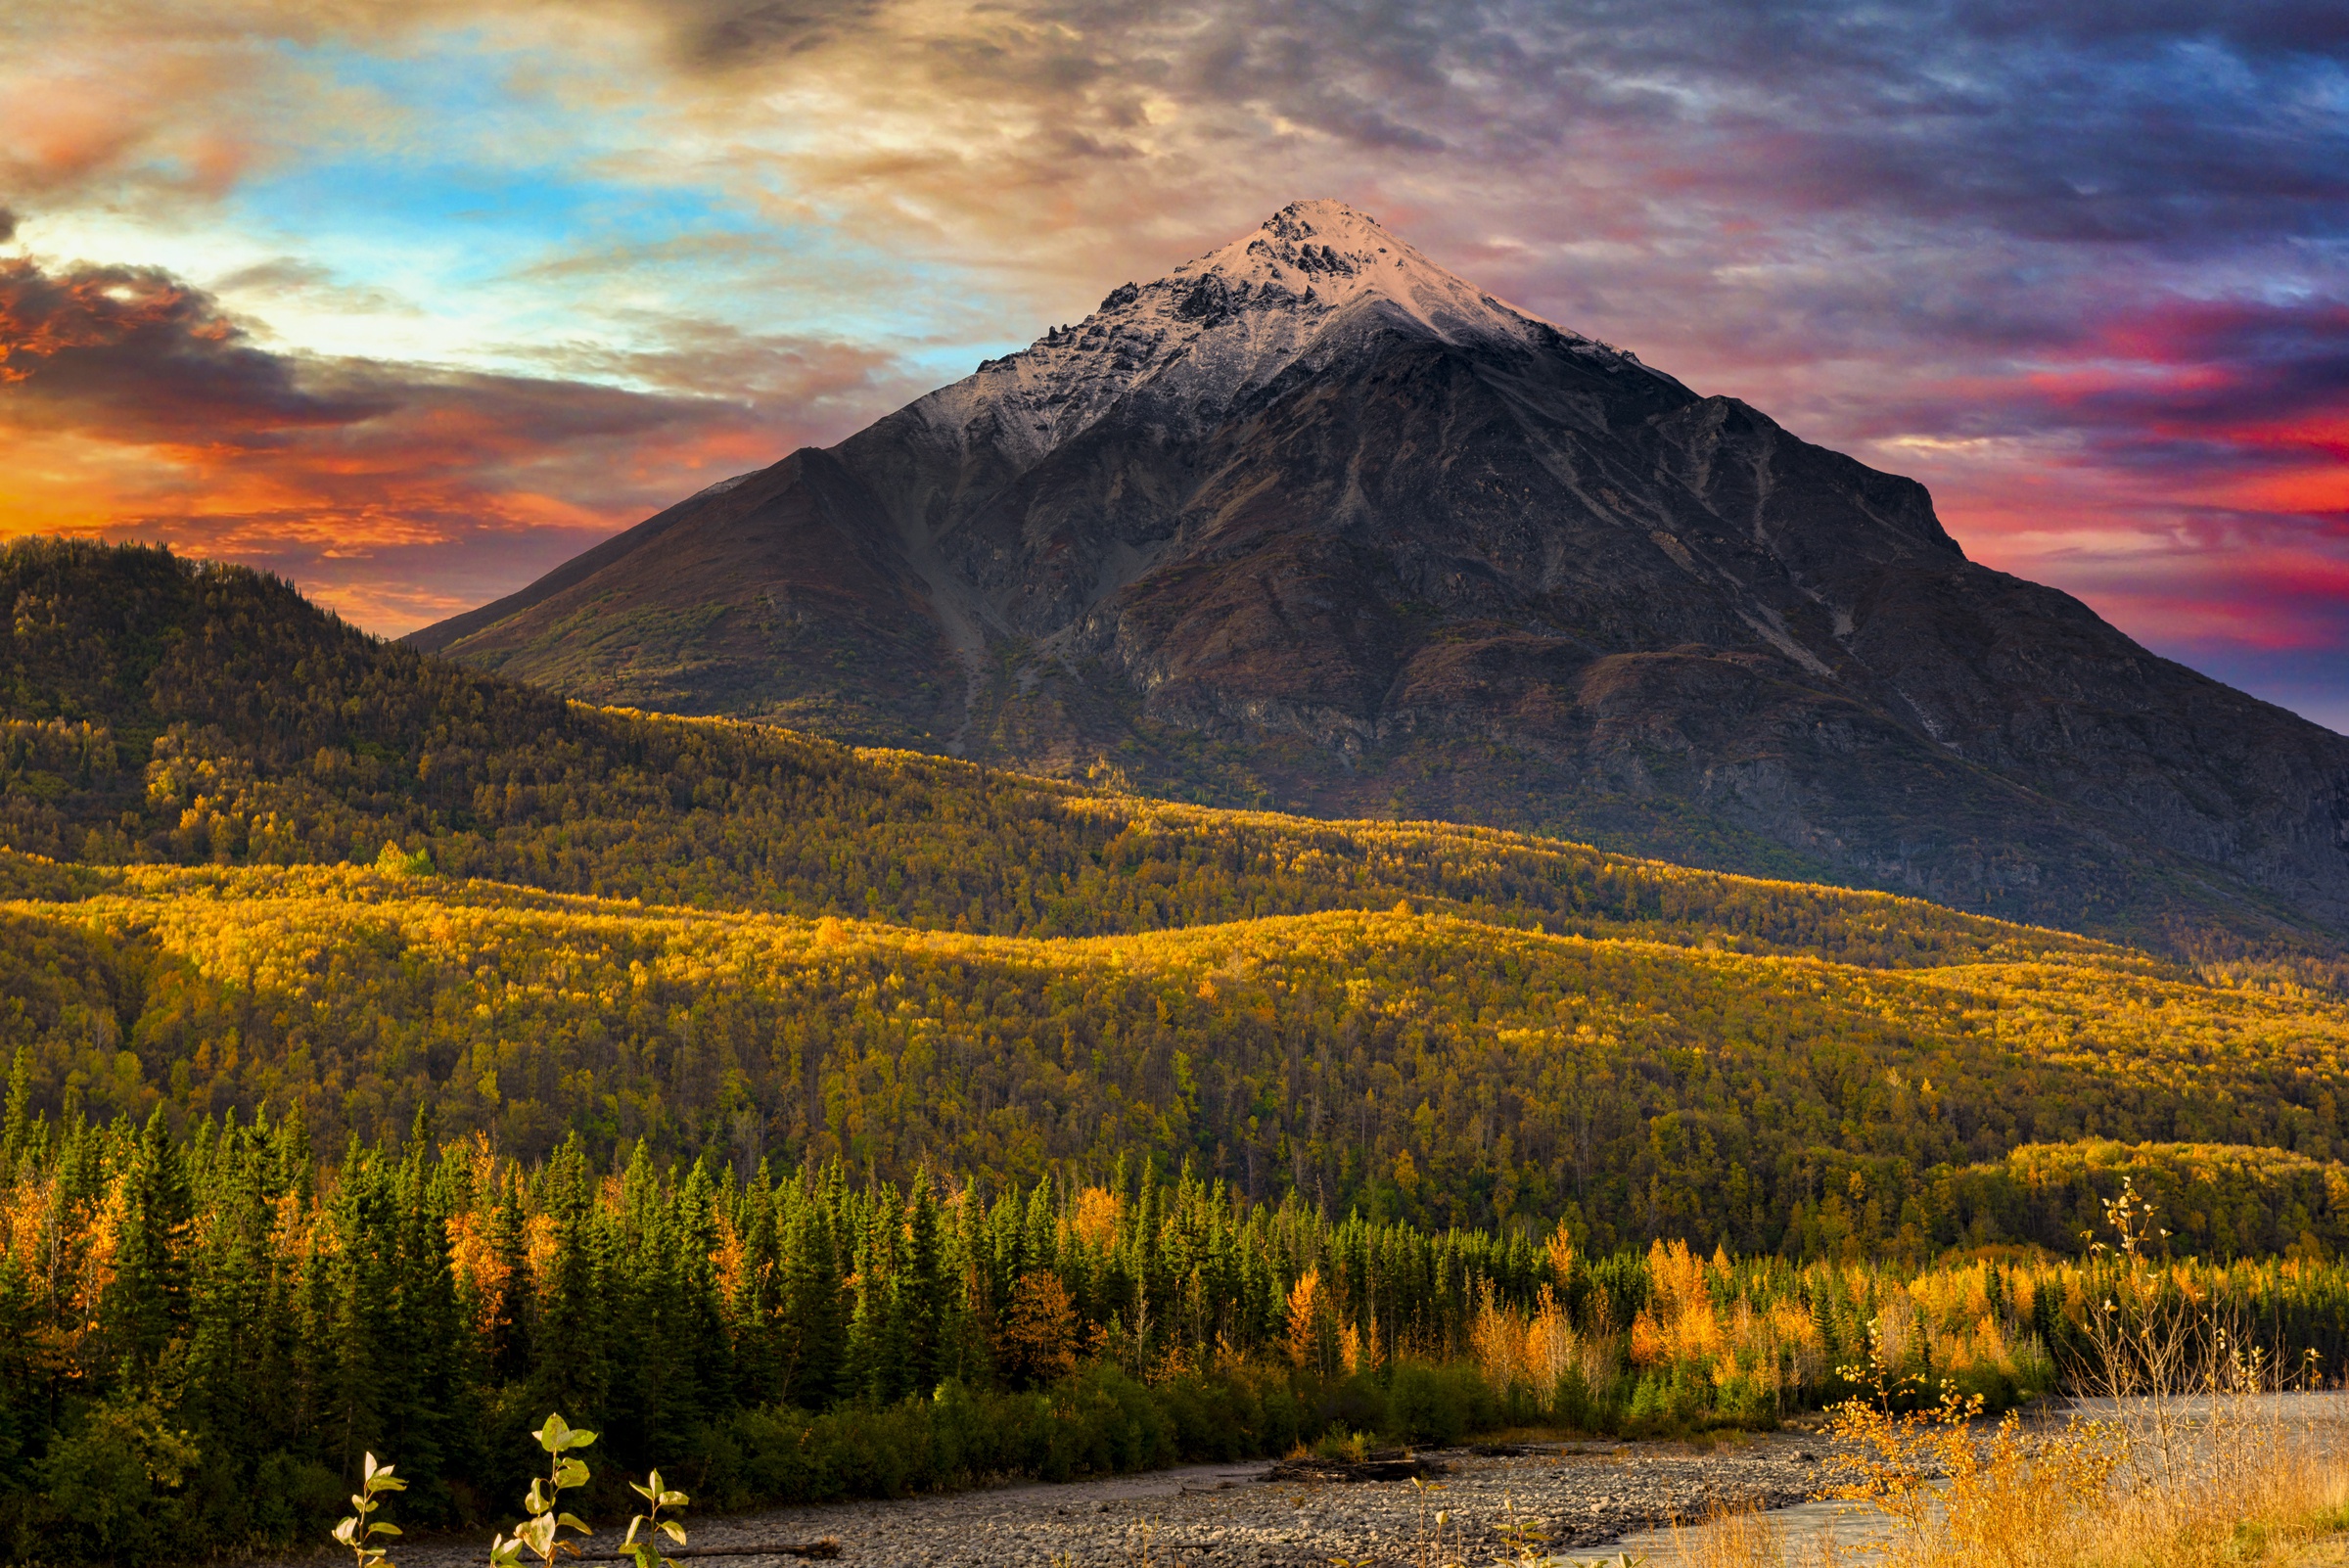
824, 1548
1393, 1468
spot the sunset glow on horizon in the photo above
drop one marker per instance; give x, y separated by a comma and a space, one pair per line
412, 303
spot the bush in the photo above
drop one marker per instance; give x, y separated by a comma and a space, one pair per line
107, 1486
1438, 1404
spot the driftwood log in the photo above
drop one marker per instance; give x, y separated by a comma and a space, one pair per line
1379, 1467
825, 1548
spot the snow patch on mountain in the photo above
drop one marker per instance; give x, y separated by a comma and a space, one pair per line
1190, 344
724, 486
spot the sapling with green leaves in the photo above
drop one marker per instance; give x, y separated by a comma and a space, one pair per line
659, 1498
357, 1532
539, 1534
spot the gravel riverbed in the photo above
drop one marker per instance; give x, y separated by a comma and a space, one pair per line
1586, 1495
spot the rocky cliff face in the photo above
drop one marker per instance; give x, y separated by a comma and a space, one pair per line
1313, 521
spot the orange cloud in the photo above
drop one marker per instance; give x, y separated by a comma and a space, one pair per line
132, 406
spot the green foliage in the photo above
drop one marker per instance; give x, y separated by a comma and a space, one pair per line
357, 1530
395, 861
107, 1482
540, 1534
418, 1298
647, 1524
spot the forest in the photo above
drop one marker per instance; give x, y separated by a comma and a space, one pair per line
1421, 1067
200, 1339
395, 1053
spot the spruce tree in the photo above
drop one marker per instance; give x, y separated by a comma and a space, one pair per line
513, 1302
924, 1307
14, 1131
147, 1303
756, 1309
815, 1335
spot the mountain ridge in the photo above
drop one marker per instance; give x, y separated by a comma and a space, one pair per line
1311, 521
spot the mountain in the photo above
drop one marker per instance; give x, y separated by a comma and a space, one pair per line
1311, 521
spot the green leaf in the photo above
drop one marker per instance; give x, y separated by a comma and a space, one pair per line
551, 1437
572, 1521
346, 1530
383, 1529
383, 1481
643, 1492
570, 1473
579, 1439
673, 1529
673, 1500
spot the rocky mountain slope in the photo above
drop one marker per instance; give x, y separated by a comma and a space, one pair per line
1313, 522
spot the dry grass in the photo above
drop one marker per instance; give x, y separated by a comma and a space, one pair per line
2206, 1466
2240, 1483
1730, 1538
2269, 1491
2260, 1492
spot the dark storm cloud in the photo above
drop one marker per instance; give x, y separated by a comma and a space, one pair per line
137, 356
136, 353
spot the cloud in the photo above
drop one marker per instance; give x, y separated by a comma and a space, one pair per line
133, 350
396, 491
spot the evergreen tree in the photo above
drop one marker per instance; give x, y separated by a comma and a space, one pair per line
924, 1294
756, 1309
817, 1329
512, 1303
570, 1367
147, 1302
14, 1131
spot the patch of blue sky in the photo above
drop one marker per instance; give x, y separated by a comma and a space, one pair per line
471, 184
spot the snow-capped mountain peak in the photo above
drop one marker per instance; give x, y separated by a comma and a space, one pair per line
1195, 341
1326, 253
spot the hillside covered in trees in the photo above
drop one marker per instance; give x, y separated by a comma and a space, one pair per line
424, 1049
161, 711
256, 861
1416, 1065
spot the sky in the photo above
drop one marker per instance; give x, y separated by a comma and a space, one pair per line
410, 300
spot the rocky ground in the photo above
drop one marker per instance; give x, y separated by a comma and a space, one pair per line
1584, 1495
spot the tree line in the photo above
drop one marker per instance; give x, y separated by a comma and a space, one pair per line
199, 1338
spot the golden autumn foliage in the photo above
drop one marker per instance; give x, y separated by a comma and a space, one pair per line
1433, 1067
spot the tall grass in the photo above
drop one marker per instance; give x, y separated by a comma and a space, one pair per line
2201, 1460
